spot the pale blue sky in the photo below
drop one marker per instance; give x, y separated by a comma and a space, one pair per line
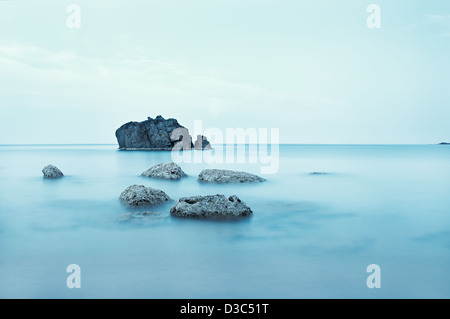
311, 68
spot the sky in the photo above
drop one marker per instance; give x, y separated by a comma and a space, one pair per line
313, 69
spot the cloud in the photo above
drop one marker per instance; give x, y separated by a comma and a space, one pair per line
52, 86
411, 27
439, 21
437, 18
139, 77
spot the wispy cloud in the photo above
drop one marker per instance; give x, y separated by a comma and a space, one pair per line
440, 21
440, 18
436, 23
139, 77
103, 93
411, 27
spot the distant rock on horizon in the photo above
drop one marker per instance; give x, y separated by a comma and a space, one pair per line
156, 134
202, 143
444, 143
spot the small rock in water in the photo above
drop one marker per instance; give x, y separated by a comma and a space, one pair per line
51, 171
319, 173
165, 171
210, 206
139, 195
227, 176
202, 143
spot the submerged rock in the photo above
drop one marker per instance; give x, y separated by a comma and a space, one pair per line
227, 176
139, 195
210, 206
51, 171
165, 171
142, 217
156, 134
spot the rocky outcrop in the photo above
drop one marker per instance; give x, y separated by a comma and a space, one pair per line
139, 195
165, 171
202, 143
156, 134
444, 143
227, 176
210, 206
51, 171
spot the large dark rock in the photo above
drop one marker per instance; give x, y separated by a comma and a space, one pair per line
156, 134
210, 206
444, 143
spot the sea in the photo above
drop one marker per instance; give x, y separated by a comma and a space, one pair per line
332, 221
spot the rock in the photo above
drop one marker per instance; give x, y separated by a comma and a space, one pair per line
209, 206
227, 176
152, 134
444, 143
156, 134
139, 195
141, 217
51, 171
319, 173
202, 143
165, 171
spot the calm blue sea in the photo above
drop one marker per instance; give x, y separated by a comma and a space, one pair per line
311, 236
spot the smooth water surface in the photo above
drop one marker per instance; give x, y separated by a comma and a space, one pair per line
311, 235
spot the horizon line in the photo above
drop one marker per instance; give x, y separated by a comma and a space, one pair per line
224, 144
